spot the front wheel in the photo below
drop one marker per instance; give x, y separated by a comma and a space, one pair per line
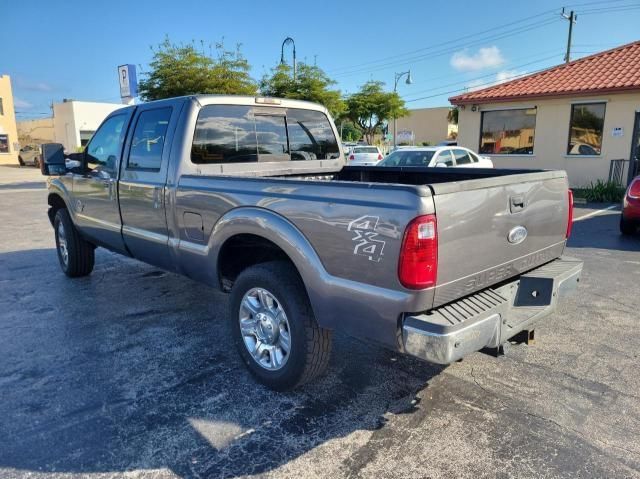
76, 255
274, 328
20, 161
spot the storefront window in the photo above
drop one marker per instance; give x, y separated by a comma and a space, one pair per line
585, 129
508, 132
4, 143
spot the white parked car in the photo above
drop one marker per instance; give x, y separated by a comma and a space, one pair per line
437, 156
364, 156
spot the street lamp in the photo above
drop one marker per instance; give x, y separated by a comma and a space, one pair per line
289, 41
408, 81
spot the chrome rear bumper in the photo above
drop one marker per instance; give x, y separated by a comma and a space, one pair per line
491, 317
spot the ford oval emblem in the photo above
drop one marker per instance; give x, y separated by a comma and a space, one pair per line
517, 235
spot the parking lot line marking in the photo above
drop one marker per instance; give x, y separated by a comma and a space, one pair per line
22, 190
594, 213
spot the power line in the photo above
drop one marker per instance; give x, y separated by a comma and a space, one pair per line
478, 86
625, 8
451, 49
491, 70
431, 47
466, 81
347, 70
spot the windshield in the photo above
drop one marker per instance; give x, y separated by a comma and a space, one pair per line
408, 158
366, 149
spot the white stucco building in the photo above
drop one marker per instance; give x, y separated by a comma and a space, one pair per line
74, 122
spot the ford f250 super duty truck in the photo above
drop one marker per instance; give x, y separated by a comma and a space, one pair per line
252, 196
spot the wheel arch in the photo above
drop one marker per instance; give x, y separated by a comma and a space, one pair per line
55, 202
250, 235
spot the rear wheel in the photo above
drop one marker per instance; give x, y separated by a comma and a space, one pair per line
21, 161
627, 227
76, 255
274, 328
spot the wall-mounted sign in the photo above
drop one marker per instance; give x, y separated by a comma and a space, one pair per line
404, 136
128, 81
617, 131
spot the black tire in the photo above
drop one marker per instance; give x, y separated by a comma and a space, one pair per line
21, 161
626, 227
80, 255
310, 345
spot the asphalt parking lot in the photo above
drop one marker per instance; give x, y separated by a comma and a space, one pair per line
130, 372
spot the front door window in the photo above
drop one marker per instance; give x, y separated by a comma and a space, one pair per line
105, 147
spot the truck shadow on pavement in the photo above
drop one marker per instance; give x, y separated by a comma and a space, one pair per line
133, 368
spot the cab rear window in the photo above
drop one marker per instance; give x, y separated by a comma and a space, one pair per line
244, 134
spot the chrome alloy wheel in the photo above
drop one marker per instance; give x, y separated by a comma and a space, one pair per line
62, 244
265, 329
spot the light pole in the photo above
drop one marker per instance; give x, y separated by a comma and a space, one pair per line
409, 81
289, 41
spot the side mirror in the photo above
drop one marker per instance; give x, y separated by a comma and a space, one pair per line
75, 162
52, 159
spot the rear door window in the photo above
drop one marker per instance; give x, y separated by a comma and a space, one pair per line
462, 157
444, 158
148, 139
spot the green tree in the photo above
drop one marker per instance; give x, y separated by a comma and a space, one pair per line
311, 84
370, 107
183, 70
452, 116
349, 130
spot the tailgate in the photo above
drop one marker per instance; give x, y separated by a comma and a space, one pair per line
482, 224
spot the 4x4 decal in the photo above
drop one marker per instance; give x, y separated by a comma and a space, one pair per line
365, 237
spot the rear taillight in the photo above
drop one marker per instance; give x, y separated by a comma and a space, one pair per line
418, 265
570, 219
351, 157
379, 156
634, 189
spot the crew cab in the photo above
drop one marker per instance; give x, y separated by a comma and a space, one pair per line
252, 196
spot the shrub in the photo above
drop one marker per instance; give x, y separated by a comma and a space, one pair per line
601, 192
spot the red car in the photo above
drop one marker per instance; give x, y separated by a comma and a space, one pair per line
630, 219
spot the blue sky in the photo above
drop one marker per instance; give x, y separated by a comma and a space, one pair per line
70, 49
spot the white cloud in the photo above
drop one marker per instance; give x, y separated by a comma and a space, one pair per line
500, 77
23, 84
507, 75
485, 58
18, 103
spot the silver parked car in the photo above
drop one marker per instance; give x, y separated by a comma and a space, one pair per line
29, 155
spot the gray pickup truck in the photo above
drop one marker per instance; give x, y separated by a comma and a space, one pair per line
252, 196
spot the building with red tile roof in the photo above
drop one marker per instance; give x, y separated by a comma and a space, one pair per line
582, 117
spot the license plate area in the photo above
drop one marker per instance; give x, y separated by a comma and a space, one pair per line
534, 292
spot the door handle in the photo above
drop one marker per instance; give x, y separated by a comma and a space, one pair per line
517, 203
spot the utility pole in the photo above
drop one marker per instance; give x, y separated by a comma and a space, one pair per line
572, 18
